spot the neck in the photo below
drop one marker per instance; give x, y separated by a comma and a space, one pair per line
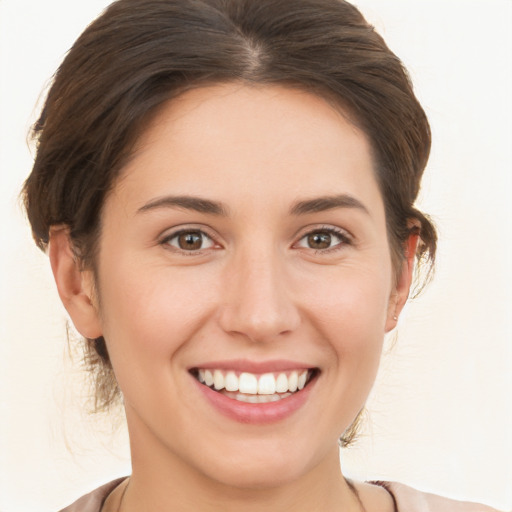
161, 480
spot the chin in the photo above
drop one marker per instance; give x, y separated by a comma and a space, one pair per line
257, 476
264, 465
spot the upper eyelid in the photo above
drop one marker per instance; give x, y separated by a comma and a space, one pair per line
323, 227
172, 232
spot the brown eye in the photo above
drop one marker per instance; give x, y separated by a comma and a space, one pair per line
319, 240
190, 241
324, 240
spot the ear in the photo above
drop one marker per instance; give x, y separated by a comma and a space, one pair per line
75, 286
404, 279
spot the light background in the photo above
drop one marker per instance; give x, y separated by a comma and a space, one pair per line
441, 411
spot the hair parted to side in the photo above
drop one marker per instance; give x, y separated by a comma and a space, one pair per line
141, 53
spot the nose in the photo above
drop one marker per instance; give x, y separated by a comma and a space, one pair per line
257, 302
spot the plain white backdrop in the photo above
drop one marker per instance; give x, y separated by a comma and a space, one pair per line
441, 412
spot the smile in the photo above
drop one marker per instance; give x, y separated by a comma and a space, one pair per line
254, 388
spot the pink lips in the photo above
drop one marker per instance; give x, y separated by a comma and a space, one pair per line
259, 413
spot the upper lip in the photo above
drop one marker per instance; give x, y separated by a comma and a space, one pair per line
245, 365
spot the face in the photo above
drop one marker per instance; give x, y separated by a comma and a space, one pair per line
245, 246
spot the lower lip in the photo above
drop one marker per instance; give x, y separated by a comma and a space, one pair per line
259, 414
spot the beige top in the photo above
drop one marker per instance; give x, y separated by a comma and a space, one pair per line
406, 498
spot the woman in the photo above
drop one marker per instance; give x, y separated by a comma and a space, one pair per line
226, 190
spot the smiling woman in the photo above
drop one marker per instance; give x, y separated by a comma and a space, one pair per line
254, 281
226, 191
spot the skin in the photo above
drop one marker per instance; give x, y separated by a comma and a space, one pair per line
256, 290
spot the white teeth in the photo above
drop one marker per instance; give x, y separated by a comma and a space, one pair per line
267, 384
208, 377
218, 380
282, 383
231, 382
248, 383
293, 381
259, 399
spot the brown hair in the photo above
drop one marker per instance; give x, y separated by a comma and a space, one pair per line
140, 53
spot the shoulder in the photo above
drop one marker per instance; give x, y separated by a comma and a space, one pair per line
93, 501
408, 499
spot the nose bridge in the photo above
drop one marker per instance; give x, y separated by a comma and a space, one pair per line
258, 303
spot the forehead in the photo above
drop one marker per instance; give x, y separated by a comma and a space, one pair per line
252, 144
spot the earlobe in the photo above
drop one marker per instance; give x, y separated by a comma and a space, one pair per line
75, 286
404, 280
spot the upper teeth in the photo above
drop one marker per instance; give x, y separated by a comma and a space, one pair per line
250, 383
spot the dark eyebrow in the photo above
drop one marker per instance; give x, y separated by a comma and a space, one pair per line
197, 204
321, 204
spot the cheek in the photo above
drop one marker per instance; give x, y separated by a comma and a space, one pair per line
150, 311
350, 312
348, 308
352, 302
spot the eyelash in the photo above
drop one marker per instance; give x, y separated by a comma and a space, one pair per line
343, 237
192, 231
